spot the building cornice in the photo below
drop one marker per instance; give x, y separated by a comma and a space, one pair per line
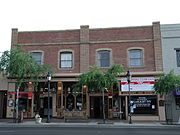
91, 42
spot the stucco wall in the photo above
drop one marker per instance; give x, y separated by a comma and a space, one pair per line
3, 83
170, 35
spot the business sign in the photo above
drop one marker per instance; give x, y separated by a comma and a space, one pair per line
138, 84
177, 90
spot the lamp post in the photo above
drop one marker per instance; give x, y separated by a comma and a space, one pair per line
128, 75
48, 78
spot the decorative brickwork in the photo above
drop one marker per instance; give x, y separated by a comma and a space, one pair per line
84, 49
157, 46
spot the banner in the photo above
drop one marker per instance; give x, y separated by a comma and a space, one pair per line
138, 84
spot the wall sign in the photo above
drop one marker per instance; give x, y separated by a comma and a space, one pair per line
138, 84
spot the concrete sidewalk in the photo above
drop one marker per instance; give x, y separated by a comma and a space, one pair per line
84, 123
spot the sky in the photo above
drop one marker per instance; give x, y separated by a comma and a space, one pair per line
36, 15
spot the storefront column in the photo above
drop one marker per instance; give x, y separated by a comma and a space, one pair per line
126, 104
161, 108
87, 105
32, 104
54, 112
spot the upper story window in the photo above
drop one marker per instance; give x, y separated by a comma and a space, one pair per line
178, 57
135, 58
37, 57
66, 60
103, 58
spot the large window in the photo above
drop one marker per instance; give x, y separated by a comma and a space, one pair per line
135, 58
103, 58
144, 105
37, 57
66, 60
178, 57
177, 99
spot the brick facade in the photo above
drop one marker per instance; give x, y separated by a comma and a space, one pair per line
85, 42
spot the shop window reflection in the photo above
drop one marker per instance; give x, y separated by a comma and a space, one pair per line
70, 102
79, 102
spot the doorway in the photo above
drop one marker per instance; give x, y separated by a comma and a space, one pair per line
96, 107
44, 107
3, 104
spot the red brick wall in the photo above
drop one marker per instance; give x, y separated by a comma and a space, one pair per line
119, 50
49, 36
51, 56
119, 54
131, 33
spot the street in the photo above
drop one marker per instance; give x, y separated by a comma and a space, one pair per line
88, 131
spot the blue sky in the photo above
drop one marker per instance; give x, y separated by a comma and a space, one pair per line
34, 15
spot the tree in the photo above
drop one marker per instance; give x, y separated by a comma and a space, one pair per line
22, 67
166, 85
97, 80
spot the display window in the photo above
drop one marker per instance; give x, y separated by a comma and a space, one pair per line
177, 99
144, 105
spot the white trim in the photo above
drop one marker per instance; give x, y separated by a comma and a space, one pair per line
66, 50
110, 59
128, 58
40, 51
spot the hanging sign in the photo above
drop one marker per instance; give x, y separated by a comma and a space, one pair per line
138, 84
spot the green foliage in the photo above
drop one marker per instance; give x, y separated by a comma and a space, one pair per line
167, 83
21, 66
96, 79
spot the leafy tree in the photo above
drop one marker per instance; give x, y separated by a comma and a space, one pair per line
165, 86
96, 79
167, 83
22, 67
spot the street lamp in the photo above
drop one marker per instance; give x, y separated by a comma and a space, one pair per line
128, 75
48, 78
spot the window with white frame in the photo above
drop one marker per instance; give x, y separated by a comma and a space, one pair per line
103, 58
66, 60
178, 57
37, 57
135, 58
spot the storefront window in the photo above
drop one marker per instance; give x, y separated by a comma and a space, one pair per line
177, 98
70, 102
144, 104
115, 104
79, 102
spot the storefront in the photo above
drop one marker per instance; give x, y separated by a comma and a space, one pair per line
3, 103
144, 101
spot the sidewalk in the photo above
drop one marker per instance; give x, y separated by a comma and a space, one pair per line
85, 123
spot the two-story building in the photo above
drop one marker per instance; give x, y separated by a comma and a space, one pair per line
170, 37
71, 53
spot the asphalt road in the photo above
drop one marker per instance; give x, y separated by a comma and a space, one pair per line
88, 131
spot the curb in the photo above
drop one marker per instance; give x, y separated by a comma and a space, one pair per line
87, 125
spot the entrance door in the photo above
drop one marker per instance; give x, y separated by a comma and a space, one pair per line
44, 107
96, 107
3, 104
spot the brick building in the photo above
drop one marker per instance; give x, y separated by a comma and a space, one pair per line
71, 52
